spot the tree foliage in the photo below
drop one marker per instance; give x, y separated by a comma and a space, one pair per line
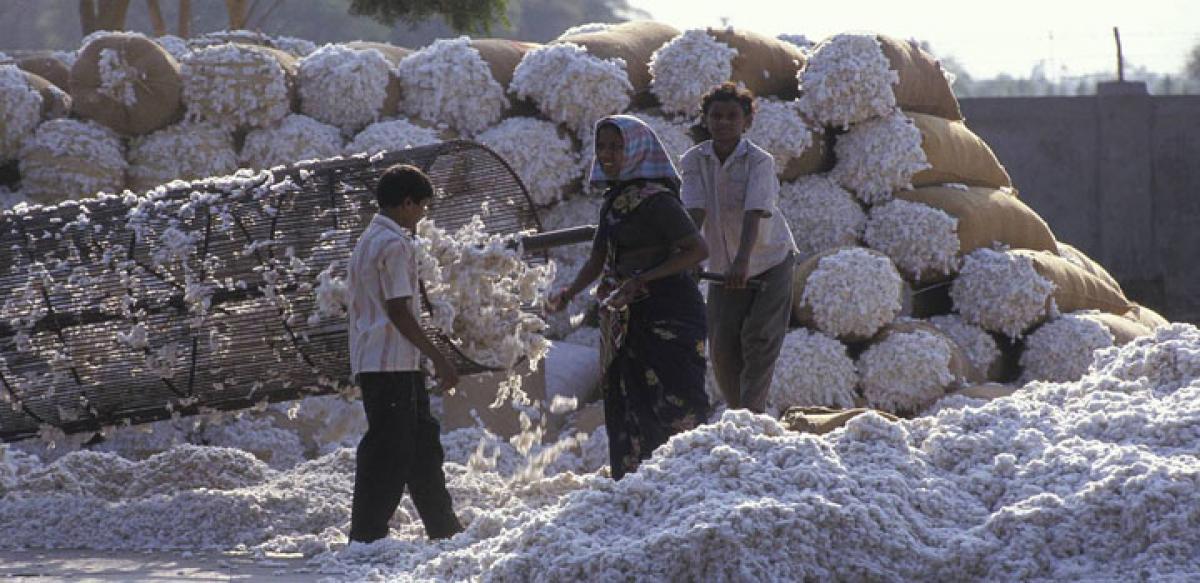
461, 15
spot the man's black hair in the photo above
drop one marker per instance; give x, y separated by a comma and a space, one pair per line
402, 182
728, 91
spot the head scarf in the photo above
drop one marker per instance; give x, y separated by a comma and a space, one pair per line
645, 157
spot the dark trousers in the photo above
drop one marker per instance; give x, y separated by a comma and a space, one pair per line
402, 448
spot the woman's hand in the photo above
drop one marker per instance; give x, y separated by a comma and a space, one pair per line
558, 300
624, 294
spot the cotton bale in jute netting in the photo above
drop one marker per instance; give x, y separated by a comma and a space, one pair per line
920, 240
543, 158
848, 293
1062, 349
67, 158
186, 151
956, 155
1076, 289
239, 86
571, 86
1123, 329
55, 101
1146, 317
686, 67
880, 156
781, 130
295, 139
391, 135
922, 86
822, 215
128, 83
847, 80
1001, 291
1081, 260
986, 216
908, 366
394, 55
48, 68
977, 345
20, 110
813, 369
633, 42
296, 46
176, 46
450, 82
344, 86
766, 65
822, 420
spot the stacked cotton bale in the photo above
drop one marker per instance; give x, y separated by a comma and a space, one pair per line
388, 135
67, 158
238, 86
186, 151
20, 110
345, 87
540, 154
128, 83
297, 138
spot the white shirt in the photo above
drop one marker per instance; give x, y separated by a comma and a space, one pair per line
745, 182
383, 266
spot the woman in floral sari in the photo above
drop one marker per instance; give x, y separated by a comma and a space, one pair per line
654, 329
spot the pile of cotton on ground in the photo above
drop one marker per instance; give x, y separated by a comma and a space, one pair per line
1071, 481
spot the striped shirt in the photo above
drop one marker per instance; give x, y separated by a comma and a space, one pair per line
382, 267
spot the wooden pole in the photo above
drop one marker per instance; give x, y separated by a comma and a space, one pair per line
156, 17
1120, 56
185, 18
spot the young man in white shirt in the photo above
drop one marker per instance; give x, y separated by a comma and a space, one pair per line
731, 191
402, 446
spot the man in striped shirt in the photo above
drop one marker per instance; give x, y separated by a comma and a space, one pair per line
402, 446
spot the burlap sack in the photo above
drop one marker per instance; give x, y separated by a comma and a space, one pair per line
55, 102
1124, 330
1074, 255
632, 41
1146, 317
48, 68
394, 54
960, 365
956, 155
987, 391
158, 91
1074, 288
502, 56
764, 64
802, 314
822, 420
816, 159
986, 216
923, 87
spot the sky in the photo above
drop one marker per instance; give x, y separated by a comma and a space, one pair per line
1070, 38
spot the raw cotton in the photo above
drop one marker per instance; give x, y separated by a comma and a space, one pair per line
543, 157
235, 86
1062, 349
799, 40
343, 86
296, 46
905, 371
449, 82
879, 156
20, 110
586, 28
186, 151
1000, 291
978, 346
391, 135
853, 293
297, 138
175, 46
576, 211
821, 214
570, 86
682, 70
779, 129
921, 240
847, 80
812, 370
67, 158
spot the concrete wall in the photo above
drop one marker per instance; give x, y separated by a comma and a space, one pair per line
1117, 175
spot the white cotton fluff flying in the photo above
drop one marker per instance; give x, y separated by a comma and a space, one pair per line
67, 158
673, 134
449, 82
544, 160
847, 80
586, 28
687, 66
906, 371
1062, 349
186, 151
575, 211
570, 86
920, 239
779, 129
391, 135
234, 86
978, 346
175, 46
853, 293
878, 157
343, 86
1000, 291
821, 214
813, 370
20, 110
296, 139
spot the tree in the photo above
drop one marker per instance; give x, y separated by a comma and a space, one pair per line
102, 15
461, 15
1192, 68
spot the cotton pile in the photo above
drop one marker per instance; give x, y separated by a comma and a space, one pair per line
921, 240
812, 370
821, 214
1000, 291
543, 157
779, 129
391, 135
20, 110
297, 138
685, 68
1062, 349
67, 158
235, 86
570, 86
187, 151
879, 156
847, 80
449, 82
853, 293
343, 86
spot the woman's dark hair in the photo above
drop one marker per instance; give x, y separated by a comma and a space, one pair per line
727, 91
402, 182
